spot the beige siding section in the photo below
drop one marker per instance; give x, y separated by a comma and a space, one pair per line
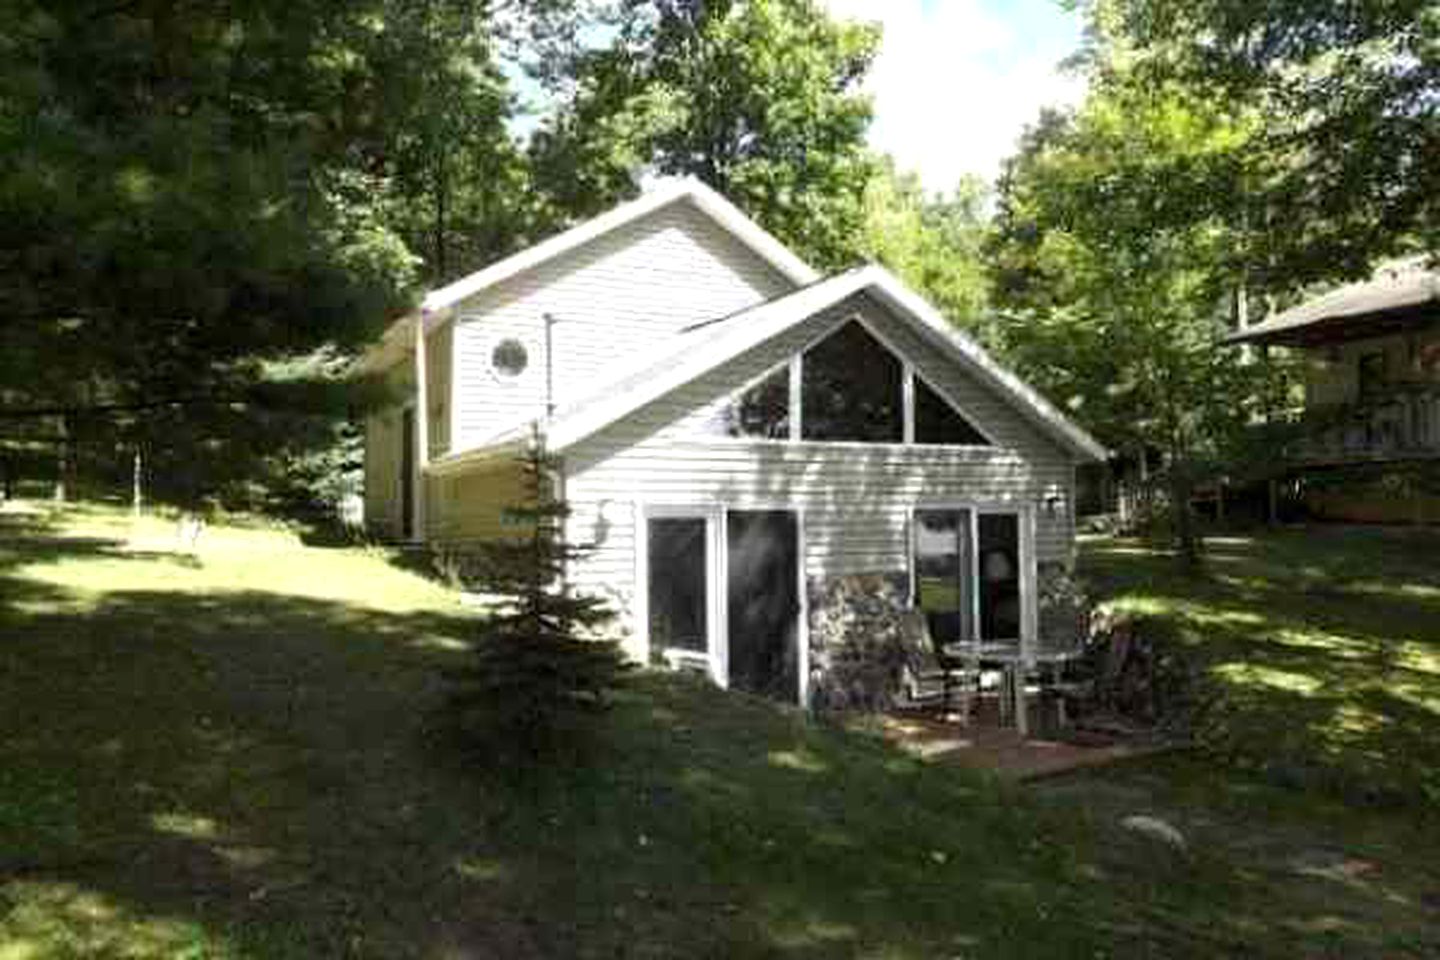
471, 506
438, 355
382, 473
614, 298
384, 431
855, 498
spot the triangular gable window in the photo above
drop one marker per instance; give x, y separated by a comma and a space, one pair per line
851, 389
936, 421
761, 411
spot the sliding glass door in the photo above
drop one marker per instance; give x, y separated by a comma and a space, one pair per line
944, 574
967, 574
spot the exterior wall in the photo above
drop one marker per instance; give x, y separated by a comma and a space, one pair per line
383, 435
1332, 372
438, 356
855, 498
470, 506
613, 298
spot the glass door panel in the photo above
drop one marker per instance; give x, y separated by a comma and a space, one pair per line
999, 586
678, 590
944, 574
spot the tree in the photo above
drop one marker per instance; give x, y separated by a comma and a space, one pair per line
758, 99
538, 664
1348, 96
194, 199
934, 243
1113, 255
183, 200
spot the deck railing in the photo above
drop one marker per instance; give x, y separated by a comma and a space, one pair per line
1401, 424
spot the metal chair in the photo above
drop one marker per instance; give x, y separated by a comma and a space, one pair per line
924, 662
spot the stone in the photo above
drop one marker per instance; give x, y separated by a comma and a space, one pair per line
1156, 829
855, 649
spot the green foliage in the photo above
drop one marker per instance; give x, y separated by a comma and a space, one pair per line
933, 243
539, 665
758, 99
1349, 135
1113, 253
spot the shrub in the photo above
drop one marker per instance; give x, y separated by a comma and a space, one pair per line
540, 665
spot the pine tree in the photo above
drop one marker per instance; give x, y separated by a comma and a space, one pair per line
539, 664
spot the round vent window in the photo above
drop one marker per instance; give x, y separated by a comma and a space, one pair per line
509, 358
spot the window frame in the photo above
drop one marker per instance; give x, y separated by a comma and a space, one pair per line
717, 570
1026, 548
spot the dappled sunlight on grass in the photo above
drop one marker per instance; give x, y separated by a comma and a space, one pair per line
192, 826
1244, 673
48, 920
1323, 646
231, 758
480, 869
801, 760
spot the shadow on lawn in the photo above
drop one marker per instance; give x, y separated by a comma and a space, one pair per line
249, 770
1322, 648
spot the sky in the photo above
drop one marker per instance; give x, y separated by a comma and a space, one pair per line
956, 81
954, 84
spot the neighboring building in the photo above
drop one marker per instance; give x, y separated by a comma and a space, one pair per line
1372, 394
753, 449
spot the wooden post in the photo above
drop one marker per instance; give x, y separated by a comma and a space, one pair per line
422, 426
135, 489
65, 465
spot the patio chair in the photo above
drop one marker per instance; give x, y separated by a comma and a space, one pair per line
1053, 675
925, 664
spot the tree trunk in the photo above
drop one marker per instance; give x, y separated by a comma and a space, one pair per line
1182, 488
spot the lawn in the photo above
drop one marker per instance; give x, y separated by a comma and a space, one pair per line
223, 755
1320, 647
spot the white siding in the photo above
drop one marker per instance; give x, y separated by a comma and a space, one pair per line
856, 497
614, 298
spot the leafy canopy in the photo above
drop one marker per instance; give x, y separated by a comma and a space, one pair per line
1347, 96
758, 99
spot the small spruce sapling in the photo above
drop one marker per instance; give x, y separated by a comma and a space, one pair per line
539, 665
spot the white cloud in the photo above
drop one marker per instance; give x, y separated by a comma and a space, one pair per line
956, 82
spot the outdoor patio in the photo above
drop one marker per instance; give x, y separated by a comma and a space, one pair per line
985, 743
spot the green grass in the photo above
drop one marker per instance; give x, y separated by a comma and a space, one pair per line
1321, 645
224, 756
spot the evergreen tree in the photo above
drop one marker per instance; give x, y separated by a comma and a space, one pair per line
539, 664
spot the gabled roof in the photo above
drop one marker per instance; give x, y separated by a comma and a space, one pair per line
434, 308
664, 193
1395, 288
704, 347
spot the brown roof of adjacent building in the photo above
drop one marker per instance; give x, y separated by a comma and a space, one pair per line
1400, 290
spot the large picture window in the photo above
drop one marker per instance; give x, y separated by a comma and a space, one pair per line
967, 577
852, 389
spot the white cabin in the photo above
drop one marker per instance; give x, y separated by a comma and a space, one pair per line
737, 434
